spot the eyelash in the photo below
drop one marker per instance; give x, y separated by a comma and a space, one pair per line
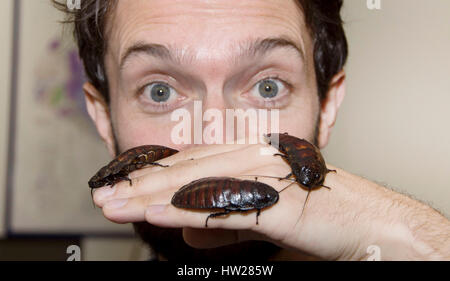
277, 77
160, 107
272, 102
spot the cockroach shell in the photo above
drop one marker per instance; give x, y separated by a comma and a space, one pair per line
307, 164
224, 192
129, 161
289, 144
101, 174
305, 159
131, 156
295, 147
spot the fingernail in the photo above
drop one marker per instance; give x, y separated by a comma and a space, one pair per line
155, 209
116, 204
105, 192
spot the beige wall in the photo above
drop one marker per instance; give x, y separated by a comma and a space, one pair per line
393, 126
55, 154
5, 70
55, 208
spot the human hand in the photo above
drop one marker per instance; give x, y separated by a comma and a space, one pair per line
325, 230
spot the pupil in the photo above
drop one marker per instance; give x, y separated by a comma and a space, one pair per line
268, 89
160, 93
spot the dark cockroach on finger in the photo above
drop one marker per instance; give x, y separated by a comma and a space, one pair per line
305, 160
127, 162
229, 194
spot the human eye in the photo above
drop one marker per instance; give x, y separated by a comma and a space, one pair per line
160, 97
270, 92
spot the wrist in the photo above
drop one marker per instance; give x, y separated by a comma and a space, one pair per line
379, 224
399, 228
398, 241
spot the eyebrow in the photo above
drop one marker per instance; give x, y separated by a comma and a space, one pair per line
249, 49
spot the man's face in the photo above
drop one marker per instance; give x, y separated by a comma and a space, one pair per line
163, 55
213, 51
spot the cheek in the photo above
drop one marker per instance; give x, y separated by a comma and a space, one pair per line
132, 128
301, 118
140, 131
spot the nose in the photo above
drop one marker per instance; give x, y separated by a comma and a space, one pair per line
213, 109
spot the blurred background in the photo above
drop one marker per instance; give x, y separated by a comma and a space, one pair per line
392, 128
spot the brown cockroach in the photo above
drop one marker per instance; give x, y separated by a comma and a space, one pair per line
307, 164
129, 161
304, 158
225, 193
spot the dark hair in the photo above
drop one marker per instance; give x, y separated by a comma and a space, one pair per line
322, 18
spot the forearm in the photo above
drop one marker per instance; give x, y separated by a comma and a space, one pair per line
418, 232
402, 228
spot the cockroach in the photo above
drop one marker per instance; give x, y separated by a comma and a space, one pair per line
306, 162
129, 161
304, 158
225, 193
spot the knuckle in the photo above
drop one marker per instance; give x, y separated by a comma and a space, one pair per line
136, 182
147, 201
124, 187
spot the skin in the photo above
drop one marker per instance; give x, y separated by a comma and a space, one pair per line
337, 224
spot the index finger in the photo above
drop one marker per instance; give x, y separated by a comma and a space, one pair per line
196, 152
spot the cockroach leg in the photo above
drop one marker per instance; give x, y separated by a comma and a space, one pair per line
304, 205
270, 177
122, 178
287, 186
286, 177
282, 155
160, 165
226, 212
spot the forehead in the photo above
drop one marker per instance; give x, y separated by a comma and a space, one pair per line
208, 29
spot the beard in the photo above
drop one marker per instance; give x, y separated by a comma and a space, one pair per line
169, 242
